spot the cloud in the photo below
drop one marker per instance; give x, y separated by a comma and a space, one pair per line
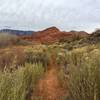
38, 14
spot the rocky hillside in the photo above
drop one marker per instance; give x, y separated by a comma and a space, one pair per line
53, 34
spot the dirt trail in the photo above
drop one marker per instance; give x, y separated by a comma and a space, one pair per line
49, 87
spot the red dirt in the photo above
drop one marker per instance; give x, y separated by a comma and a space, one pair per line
49, 87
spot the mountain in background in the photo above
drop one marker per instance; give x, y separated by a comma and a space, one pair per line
53, 34
16, 32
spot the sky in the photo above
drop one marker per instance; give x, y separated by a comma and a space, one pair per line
40, 14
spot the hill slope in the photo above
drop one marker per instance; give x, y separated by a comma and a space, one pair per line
53, 34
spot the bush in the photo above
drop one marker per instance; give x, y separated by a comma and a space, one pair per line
19, 56
84, 81
11, 58
18, 84
83, 74
37, 56
8, 39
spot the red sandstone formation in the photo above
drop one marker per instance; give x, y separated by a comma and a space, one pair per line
52, 34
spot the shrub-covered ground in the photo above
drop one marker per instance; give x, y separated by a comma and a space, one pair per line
77, 66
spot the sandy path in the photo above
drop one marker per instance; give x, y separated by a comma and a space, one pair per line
48, 87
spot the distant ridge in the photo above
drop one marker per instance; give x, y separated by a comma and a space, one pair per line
53, 34
16, 32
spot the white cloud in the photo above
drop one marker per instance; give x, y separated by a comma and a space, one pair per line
37, 14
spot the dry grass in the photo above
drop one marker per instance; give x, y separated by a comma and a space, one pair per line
18, 84
83, 69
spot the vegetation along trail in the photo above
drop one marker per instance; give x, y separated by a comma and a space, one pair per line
49, 87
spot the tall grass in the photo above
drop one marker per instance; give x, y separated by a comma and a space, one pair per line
79, 72
84, 74
12, 58
18, 84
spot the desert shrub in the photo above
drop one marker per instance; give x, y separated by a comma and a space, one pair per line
23, 42
84, 81
6, 60
7, 39
96, 33
11, 57
35, 56
76, 37
18, 84
68, 46
83, 69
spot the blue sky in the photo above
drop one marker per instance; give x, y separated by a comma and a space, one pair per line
40, 14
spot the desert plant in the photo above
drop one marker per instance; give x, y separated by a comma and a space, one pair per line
83, 79
18, 84
35, 56
7, 39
